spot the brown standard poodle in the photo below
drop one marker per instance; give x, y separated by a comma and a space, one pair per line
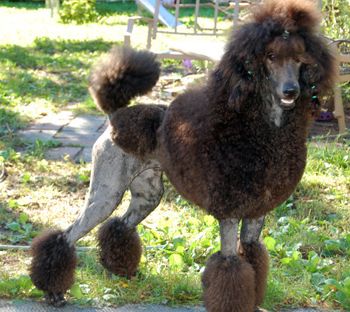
235, 146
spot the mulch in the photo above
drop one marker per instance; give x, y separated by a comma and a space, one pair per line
329, 128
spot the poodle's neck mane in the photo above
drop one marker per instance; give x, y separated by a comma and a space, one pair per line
256, 107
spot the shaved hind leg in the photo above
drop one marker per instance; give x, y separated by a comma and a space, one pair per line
112, 172
256, 254
54, 259
120, 246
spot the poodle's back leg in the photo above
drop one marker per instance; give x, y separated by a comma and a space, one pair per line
147, 191
120, 247
256, 254
112, 173
54, 259
228, 280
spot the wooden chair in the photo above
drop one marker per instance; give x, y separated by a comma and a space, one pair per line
174, 26
343, 48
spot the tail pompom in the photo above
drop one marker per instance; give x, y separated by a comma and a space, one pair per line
122, 75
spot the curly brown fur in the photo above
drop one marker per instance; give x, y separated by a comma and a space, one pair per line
122, 75
134, 128
53, 264
228, 284
257, 255
120, 248
291, 14
217, 144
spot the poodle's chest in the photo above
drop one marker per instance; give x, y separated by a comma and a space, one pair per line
255, 179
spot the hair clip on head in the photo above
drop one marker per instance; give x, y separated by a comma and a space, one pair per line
285, 34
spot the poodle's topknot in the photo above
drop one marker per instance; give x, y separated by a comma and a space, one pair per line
291, 14
122, 75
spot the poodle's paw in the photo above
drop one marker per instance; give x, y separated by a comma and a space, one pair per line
256, 254
55, 299
120, 248
229, 284
53, 265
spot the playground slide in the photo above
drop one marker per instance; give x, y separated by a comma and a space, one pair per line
165, 17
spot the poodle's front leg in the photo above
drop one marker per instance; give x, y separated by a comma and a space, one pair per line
228, 280
256, 254
54, 258
120, 246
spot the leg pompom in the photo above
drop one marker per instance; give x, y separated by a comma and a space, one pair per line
53, 265
257, 255
120, 248
228, 284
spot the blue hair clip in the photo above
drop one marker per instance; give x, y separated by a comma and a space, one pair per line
285, 34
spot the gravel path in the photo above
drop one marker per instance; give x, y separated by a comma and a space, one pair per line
29, 306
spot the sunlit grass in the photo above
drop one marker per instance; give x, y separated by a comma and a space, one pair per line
308, 237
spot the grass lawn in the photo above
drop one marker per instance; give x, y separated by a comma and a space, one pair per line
45, 66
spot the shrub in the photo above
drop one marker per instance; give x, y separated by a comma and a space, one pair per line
336, 18
78, 11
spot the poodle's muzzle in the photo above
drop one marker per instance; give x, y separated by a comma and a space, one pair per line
284, 76
290, 92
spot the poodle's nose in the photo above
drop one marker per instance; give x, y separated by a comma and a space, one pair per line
290, 90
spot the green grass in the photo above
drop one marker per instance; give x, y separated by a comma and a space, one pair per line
54, 71
308, 237
44, 77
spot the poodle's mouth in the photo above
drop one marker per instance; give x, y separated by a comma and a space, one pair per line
287, 104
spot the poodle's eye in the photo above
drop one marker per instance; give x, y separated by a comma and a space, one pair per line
271, 56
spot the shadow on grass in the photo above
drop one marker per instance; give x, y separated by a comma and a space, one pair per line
22, 5
53, 70
116, 8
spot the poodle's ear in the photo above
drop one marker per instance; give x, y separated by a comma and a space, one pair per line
240, 94
320, 71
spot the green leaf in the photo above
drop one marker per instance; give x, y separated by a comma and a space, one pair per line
296, 255
76, 292
26, 177
270, 243
332, 282
209, 220
176, 260
286, 260
13, 204
317, 279
23, 218
180, 250
347, 282
25, 282
14, 226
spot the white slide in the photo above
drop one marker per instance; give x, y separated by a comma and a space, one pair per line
165, 17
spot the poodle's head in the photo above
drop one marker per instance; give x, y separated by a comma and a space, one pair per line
283, 60
278, 54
